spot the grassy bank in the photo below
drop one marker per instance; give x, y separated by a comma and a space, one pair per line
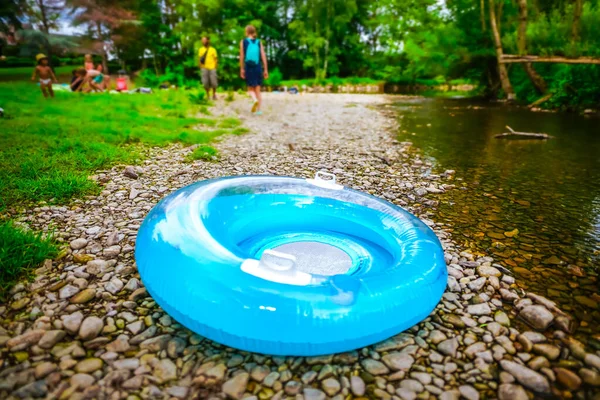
18, 74
51, 146
20, 252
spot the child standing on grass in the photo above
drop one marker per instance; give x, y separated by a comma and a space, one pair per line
45, 75
252, 54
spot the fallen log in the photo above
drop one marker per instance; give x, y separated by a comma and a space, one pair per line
513, 58
515, 134
541, 100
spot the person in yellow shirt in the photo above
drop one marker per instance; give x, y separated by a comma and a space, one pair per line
207, 61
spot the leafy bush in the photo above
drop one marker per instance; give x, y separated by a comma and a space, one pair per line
13, 61
275, 78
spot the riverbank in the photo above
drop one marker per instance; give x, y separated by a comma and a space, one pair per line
86, 328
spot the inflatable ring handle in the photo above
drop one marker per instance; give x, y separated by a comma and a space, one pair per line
325, 183
277, 260
278, 267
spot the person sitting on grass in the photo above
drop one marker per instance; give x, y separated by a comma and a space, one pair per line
45, 75
94, 76
77, 79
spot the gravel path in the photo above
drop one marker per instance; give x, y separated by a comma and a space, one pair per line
86, 328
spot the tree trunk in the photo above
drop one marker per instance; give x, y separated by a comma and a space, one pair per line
482, 15
577, 9
536, 79
327, 34
46, 29
502, 72
103, 52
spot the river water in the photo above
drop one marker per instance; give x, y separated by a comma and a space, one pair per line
534, 205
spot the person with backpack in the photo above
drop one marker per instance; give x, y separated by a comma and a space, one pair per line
252, 60
207, 61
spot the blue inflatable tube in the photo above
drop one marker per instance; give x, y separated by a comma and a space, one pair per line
289, 266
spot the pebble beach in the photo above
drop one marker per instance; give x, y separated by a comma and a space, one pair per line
85, 328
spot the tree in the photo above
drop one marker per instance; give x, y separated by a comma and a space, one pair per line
536, 79
102, 18
43, 15
502, 71
577, 9
11, 12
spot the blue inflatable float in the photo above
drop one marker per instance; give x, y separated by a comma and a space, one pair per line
289, 266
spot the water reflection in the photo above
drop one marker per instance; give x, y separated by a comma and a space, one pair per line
534, 205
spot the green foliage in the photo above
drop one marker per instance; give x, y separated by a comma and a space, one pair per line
198, 97
230, 96
228, 123
402, 42
20, 252
275, 78
204, 152
49, 148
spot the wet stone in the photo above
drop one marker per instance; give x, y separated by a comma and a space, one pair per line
487, 271
89, 365
155, 344
374, 367
68, 291
308, 377
165, 370
259, 373
508, 391
549, 351
468, 392
78, 244
448, 347
313, 394
412, 385
50, 338
479, 309
398, 361
119, 345
293, 388
82, 380
395, 343
90, 328
590, 376
526, 376
567, 378
25, 340
84, 296
330, 386
357, 385
537, 316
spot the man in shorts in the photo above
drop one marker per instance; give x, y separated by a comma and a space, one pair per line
207, 61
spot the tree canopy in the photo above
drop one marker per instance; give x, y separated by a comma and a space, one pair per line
396, 41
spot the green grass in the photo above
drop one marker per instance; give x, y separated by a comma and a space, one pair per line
20, 253
203, 152
229, 123
63, 74
50, 147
